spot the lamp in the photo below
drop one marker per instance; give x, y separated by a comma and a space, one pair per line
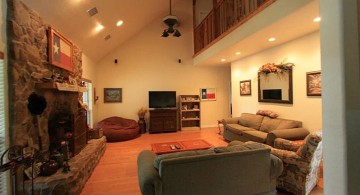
171, 21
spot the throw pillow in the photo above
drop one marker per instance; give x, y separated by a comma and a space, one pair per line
268, 113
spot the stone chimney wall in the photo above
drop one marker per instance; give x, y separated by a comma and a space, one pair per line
28, 61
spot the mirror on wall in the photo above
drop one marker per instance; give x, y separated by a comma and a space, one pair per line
275, 87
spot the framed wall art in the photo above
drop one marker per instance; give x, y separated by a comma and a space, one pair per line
313, 83
112, 95
245, 87
60, 50
208, 94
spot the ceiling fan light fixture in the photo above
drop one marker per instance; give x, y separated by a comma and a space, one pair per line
165, 34
170, 29
177, 33
171, 21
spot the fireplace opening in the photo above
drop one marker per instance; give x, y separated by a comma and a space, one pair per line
63, 126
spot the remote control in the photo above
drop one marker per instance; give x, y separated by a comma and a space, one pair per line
172, 147
177, 146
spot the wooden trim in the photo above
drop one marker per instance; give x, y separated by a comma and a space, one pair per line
228, 31
194, 14
1, 55
86, 80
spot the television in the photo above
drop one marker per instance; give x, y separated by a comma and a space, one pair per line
272, 94
162, 99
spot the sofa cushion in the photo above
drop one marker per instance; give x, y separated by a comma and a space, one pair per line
257, 136
254, 145
289, 124
235, 142
233, 148
236, 128
159, 158
269, 124
251, 120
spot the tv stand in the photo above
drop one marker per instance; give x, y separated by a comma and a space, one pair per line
163, 120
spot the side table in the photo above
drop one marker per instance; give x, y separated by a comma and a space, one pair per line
219, 122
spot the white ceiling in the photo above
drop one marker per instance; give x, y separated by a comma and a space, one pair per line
71, 19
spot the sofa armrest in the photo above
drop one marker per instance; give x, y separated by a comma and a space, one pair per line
289, 134
234, 120
285, 144
149, 179
276, 167
289, 157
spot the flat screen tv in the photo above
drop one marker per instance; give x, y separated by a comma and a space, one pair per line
162, 99
272, 94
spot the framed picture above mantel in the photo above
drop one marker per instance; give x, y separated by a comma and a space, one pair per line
60, 50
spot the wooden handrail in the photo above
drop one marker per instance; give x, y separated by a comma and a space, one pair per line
225, 17
1, 55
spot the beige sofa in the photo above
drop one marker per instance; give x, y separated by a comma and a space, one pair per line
230, 170
262, 129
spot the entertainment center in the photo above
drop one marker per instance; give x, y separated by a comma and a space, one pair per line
163, 111
163, 120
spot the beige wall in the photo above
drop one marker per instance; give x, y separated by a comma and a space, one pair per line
304, 52
149, 62
3, 7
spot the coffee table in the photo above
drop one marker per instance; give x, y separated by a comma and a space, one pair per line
166, 147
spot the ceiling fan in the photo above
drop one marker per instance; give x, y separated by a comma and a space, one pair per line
171, 20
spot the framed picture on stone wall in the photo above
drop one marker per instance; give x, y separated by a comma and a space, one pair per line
60, 50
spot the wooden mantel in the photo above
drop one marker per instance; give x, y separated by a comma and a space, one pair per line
61, 87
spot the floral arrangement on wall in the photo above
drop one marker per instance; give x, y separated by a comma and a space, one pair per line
275, 68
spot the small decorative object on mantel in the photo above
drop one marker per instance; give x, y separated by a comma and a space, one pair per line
275, 68
141, 113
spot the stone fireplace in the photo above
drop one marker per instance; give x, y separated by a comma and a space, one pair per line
28, 63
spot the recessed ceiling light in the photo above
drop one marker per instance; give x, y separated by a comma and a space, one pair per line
237, 53
119, 23
223, 60
99, 27
271, 39
318, 19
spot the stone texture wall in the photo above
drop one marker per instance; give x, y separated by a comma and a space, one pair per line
82, 165
28, 61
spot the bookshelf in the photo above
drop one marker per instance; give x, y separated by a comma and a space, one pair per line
189, 109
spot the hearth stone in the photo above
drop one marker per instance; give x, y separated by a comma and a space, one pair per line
81, 168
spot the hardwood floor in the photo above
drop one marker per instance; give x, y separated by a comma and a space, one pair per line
116, 172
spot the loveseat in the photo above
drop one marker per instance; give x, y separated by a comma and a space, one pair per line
262, 129
239, 168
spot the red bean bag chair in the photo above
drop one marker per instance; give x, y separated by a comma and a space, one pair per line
119, 129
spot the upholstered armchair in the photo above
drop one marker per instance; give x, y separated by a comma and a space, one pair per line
301, 161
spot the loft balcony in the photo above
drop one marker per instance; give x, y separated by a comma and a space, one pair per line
245, 26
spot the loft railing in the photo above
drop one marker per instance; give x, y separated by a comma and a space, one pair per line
226, 16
